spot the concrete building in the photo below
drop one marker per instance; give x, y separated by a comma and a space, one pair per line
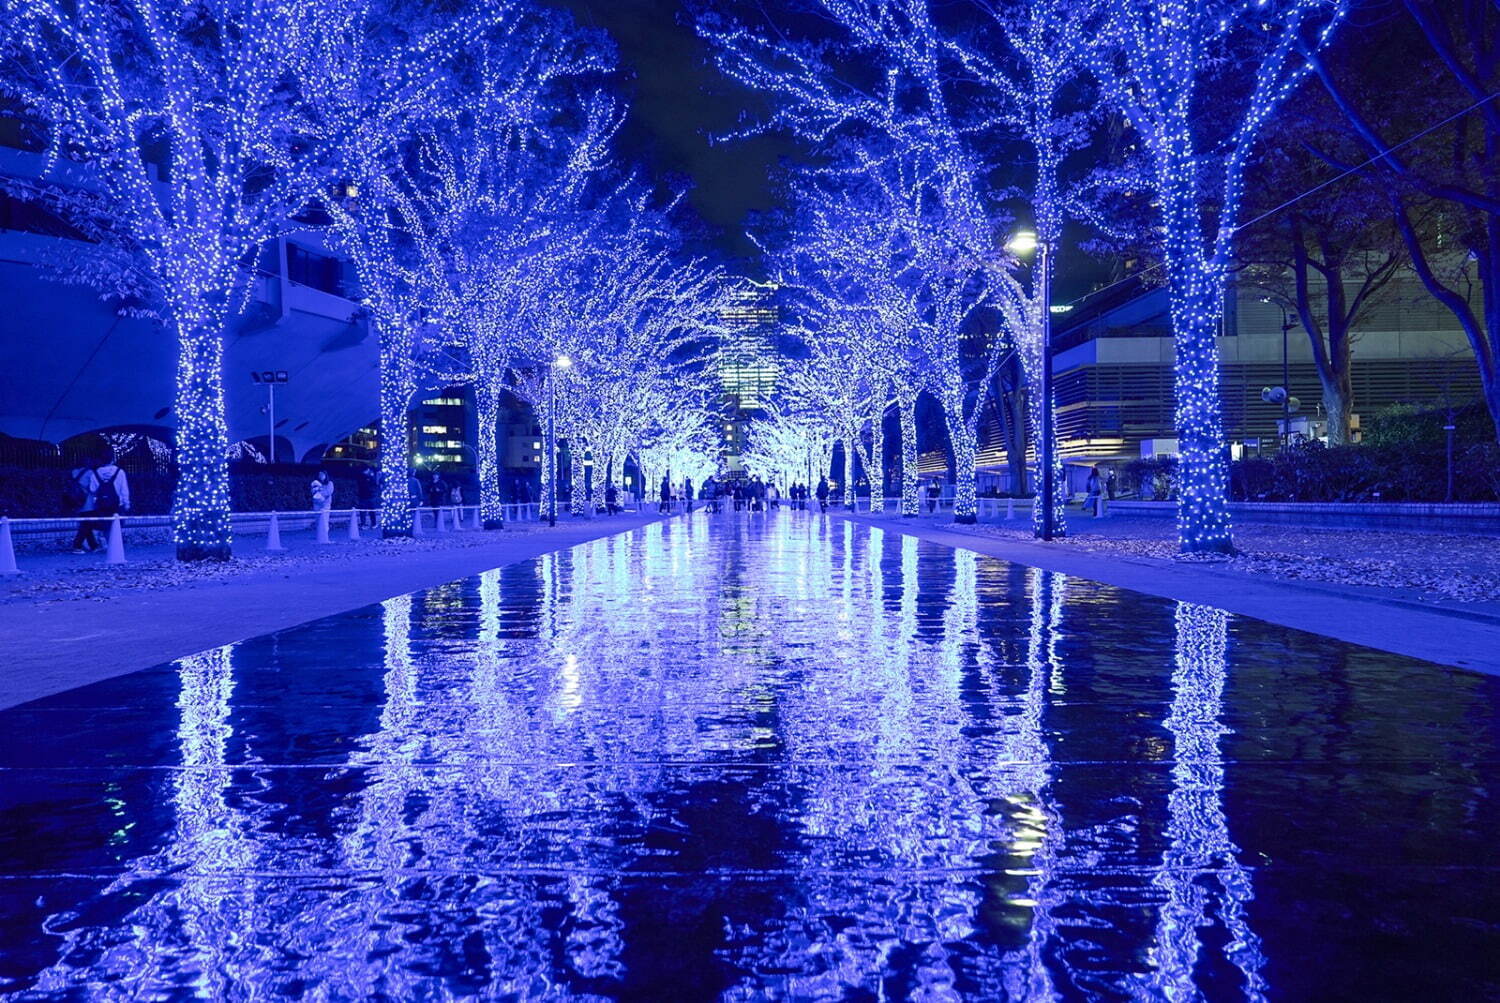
72, 364
746, 367
1114, 379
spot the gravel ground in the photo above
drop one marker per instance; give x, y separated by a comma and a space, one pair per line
1436, 566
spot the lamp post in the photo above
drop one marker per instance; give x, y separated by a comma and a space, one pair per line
561, 362
270, 377
1286, 374
1023, 243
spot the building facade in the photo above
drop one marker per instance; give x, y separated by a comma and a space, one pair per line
746, 368
1114, 383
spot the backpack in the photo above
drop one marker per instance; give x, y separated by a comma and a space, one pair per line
75, 494
106, 498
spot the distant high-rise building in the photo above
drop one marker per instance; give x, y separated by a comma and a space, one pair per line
747, 366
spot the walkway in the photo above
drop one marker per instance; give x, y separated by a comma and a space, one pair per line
73, 620
757, 757
1403, 621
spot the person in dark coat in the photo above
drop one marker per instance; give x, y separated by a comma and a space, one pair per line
369, 495
666, 496
823, 494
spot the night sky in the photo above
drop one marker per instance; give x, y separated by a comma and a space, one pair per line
678, 104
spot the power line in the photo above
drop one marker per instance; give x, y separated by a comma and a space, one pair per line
1309, 192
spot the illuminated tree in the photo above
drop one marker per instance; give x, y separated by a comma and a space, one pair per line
911, 136
618, 300
451, 217
789, 445
200, 128
1198, 80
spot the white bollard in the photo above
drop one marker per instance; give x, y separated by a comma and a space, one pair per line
416, 523
273, 534
478, 518
7, 550
116, 551
1010, 508
442, 526
323, 526
353, 524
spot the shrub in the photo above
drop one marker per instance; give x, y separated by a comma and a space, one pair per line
1312, 472
1154, 477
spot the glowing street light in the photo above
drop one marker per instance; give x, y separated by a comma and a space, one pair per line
1022, 244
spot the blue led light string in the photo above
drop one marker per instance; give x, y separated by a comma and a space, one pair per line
1153, 58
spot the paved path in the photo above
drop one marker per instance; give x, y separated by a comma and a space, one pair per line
127, 624
1447, 635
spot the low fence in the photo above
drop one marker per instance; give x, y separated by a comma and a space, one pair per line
328, 525
1481, 518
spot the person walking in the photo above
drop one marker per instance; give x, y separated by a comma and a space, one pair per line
1109, 484
822, 494
79, 499
773, 496
666, 496
437, 491
934, 492
611, 499
1095, 487
368, 493
739, 496
687, 493
106, 492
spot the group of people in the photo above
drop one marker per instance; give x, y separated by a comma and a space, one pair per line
98, 491
1100, 489
749, 495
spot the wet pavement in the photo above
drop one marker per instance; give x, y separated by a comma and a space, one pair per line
747, 757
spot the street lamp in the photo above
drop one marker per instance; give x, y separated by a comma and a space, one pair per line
1024, 243
559, 363
270, 377
1286, 378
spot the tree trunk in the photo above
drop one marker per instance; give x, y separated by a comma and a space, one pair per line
200, 504
1203, 478
1338, 391
961, 436
487, 411
1017, 410
875, 469
580, 481
849, 449
911, 483
395, 459
1059, 481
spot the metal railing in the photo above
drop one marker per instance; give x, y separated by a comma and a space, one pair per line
326, 524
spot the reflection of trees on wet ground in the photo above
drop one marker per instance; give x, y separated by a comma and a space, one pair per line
789, 756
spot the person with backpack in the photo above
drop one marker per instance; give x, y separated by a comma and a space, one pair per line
107, 491
76, 497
